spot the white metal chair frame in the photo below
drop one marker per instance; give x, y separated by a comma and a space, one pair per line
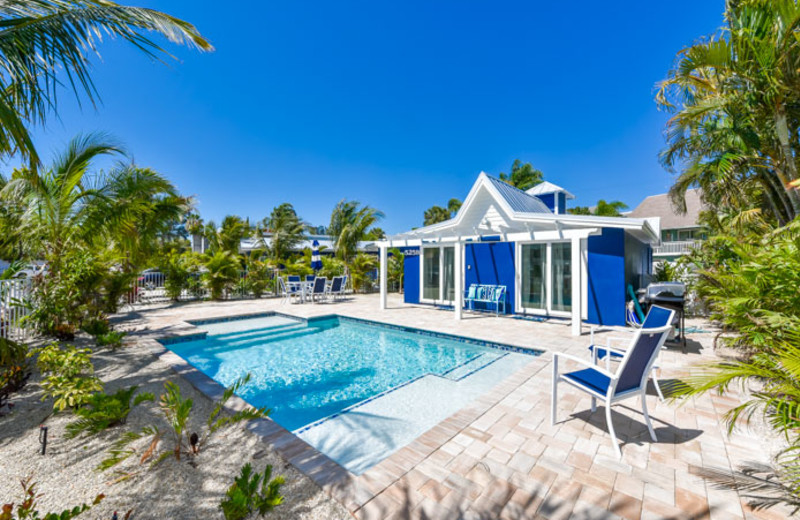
611, 396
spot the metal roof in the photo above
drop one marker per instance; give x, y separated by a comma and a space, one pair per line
545, 187
518, 200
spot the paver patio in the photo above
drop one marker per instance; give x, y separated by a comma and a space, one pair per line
500, 457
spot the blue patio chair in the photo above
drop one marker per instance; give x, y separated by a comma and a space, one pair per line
287, 292
293, 278
656, 317
310, 277
318, 292
336, 288
630, 379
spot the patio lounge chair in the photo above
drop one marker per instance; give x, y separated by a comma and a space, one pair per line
318, 292
656, 317
630, 379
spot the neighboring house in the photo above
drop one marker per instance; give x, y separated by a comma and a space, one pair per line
552, 263
326, 244
679, 233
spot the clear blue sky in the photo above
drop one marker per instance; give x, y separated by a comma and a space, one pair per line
396, 104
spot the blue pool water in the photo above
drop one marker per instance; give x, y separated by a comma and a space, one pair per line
306, 371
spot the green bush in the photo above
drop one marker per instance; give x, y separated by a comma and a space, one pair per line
26, 509
112, 339
176, 270
103, 411
69, 375
252, 492
14, 370
96, 326
222, 272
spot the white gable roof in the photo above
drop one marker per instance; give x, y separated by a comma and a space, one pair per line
545, 187
493, 207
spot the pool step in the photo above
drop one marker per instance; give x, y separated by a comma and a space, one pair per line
275, 336
233, 336
473, 365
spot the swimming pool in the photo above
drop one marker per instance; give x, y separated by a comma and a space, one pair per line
313, 372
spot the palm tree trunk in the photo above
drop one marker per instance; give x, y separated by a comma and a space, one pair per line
782, 129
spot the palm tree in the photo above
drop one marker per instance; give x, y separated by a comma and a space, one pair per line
523, 176
287, 230
39, 38
453, 205
436, 214
68, 206
351, 223
222, 271
735, 102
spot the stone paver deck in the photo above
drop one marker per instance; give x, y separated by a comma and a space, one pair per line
499, 457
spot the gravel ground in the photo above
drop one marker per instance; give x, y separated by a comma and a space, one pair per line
187, 489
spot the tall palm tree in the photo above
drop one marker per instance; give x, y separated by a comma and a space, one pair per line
436, 214
351, 223
287, 230
523, 176
41, 38
735, 99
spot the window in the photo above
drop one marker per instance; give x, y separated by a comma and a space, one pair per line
546, 277
561, 272
438, 273
449, 288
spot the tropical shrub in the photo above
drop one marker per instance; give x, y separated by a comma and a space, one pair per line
103, 411
331, 267
96, 326
176, 410
666, 272
176, 274
395, 269
360, 269
259, 277
252, 492
69, 375
222, 272
27, 508
112, 339
14, 370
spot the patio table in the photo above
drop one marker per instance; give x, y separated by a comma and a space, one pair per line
303, 287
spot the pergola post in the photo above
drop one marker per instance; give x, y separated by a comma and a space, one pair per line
576, 261
384, 260
458, 260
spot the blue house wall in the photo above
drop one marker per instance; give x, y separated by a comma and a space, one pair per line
551, 200
411, 275
493, 264
606, 278
638, 262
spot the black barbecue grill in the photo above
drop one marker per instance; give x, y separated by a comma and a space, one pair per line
671, 295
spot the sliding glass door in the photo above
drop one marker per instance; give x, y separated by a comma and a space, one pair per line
430, 273
438, 274
534, 267
546, 277
561, 273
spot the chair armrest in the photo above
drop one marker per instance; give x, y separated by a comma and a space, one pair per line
587, 364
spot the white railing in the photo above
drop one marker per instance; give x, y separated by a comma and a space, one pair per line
675, 248
149, 287
14, 295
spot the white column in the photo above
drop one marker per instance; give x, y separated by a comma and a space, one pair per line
576, 286
384, 261
458, 260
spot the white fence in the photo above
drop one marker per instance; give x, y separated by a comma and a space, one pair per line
14, 295
149, 287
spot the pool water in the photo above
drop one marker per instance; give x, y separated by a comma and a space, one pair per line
355, 390
307, 371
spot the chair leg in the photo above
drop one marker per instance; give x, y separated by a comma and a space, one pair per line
594, 404
611, 430
646, 416
657, 384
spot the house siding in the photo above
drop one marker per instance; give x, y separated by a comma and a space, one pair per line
492, 264
606, 278
411, 275
638, 262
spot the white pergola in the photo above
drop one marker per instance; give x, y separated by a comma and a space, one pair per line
490, 211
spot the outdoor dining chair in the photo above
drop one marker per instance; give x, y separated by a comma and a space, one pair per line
318, 292
336, 288
288, 291
656, 317
629, 380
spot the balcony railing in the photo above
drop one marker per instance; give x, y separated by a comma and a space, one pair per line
674, 248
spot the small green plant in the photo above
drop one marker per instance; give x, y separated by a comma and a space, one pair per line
258, 277
175, 267
112, 339
96, 326
176, 410
222, 271
103, 411
69, 375
252, 492
26, 510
